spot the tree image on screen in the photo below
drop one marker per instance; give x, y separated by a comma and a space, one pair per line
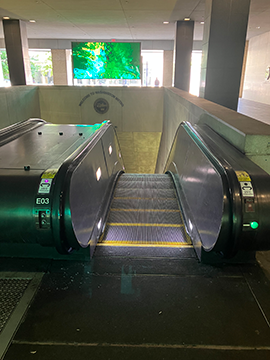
100, 60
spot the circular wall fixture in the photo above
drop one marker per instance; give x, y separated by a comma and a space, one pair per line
101, 106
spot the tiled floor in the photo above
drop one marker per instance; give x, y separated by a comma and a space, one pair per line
256, 110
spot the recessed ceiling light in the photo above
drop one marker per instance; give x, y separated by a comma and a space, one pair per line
258, 27
6, 17
165, 22
186, 19
202, 22
32, 21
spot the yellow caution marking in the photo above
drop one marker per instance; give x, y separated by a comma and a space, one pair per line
49, 174
141, 244
242, 176
142, 198
153, 225
148, 210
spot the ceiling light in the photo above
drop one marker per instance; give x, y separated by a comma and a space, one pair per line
6, 17
258, 27
202, 22
110, 149
186, 19
33, 21
165, 22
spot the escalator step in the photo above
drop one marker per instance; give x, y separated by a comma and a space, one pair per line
145, 211
145, 234
149, 217
142, 177
160, 204
144, 193
165, 184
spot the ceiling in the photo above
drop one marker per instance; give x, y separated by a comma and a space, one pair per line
118, 19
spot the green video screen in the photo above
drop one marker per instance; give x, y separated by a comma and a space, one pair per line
106, 60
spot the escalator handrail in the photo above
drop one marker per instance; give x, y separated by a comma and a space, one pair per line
16, 130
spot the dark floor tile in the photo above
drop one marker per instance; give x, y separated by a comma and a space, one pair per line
24, 265
260, 286
39, 352
145, 309
161, 266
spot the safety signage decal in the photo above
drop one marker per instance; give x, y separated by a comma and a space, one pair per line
45, 186
242, 176
247, 189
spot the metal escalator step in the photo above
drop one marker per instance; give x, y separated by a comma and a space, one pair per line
155, 204
141, 177
144, 193
149, 217
164, 184
145, 234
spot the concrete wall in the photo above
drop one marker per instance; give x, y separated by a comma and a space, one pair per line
256, 85
136, 113
248, 135
18, 103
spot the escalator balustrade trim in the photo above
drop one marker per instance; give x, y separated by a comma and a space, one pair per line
151, 217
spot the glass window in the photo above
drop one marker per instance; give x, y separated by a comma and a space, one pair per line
195, 73
41, 67
4, 71
152, 67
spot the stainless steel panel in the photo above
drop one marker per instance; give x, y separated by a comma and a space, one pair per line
201, 186
45, 147
88, 196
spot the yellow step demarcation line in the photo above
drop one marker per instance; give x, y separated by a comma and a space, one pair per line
146, 210
139, 224
144, 244
142, 198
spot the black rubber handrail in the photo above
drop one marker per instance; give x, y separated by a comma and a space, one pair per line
16, 130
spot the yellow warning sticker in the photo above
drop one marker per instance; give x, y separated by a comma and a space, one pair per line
242, 176
49, 174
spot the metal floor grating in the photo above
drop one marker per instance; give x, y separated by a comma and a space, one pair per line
11, 292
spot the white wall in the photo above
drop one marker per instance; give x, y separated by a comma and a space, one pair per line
256, 87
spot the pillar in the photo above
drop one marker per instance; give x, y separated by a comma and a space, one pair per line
167, 67
224, 40
183, 48
17, 51
61, 62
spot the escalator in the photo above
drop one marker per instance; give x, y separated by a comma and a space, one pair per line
145, 212
64, 187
